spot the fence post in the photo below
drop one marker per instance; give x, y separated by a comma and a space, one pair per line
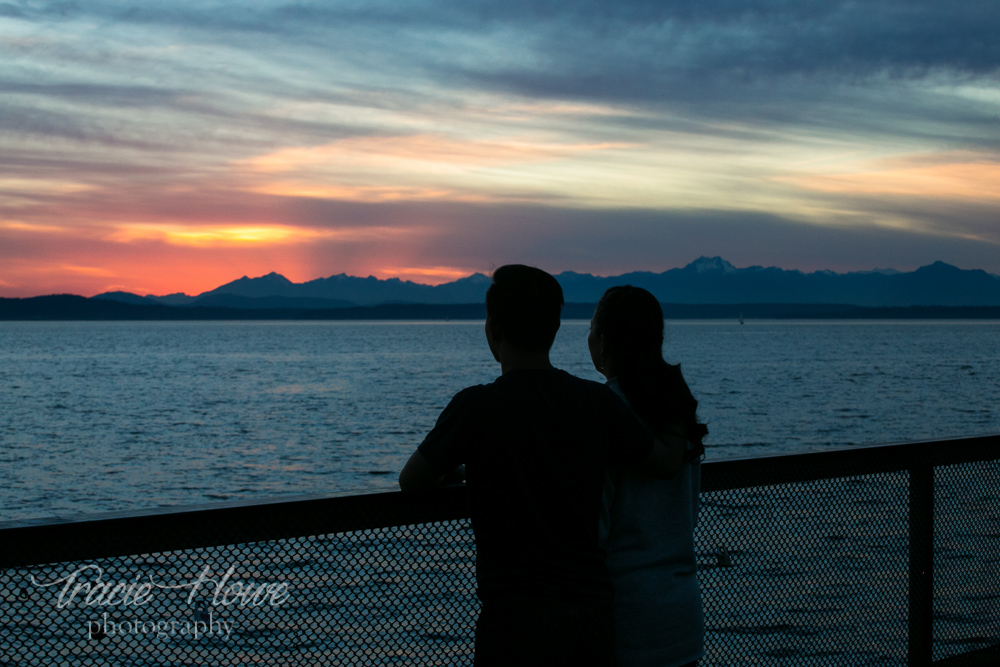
921, 620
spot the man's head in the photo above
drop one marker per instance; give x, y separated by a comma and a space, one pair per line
524, 305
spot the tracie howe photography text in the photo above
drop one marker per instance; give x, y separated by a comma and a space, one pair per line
206, 605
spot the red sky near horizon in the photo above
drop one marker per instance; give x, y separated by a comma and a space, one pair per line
177, 148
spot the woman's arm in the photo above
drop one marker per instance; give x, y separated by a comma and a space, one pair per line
419, 475
666, 457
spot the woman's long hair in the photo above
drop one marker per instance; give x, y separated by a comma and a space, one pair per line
631, 321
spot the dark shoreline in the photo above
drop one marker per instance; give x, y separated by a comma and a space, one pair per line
65, 307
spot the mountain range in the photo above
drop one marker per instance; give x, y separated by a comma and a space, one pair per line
707, 280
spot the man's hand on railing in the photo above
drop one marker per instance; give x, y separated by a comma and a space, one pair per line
456, 476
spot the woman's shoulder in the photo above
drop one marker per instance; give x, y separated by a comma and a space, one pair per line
614, 386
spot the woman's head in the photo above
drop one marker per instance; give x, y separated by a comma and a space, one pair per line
626, 343
627, 329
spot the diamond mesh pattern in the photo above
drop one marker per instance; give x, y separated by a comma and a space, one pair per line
966, 558
806, 573
388, 596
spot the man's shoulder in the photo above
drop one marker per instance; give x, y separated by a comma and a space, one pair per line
585, 385
555, 382
474, 393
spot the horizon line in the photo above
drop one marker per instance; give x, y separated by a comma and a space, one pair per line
475, 273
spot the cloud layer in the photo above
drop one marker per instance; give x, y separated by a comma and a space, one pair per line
164, 145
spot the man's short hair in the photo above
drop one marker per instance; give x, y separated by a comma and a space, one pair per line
525, 304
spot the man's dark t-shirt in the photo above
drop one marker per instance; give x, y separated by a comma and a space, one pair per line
536, 445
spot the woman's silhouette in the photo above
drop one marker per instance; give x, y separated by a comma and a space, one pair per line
647, 525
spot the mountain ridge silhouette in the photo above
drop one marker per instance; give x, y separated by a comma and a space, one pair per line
707, 280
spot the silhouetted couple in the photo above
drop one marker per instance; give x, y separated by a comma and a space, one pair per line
579, 534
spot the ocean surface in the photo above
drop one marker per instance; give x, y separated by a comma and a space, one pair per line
107, 416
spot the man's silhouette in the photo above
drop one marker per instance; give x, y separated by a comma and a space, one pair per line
536, 444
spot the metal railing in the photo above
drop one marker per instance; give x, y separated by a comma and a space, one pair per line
870, 555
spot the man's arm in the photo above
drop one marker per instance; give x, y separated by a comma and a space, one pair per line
445, 455
666, 457
419, 475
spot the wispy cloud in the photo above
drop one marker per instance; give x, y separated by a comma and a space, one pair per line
968, 180
359, 193
205, 236
49, 186
433, 275
419, 152
94, 271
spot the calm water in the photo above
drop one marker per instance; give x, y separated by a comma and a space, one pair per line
98, 416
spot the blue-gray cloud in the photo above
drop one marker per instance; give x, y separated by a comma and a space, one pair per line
820, 63
644, 41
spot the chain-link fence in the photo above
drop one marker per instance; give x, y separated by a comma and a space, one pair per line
809, 559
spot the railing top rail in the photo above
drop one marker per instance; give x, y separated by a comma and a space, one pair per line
847, 462
40, 541
33, 542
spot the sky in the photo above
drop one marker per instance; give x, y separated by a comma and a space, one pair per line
178, 145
